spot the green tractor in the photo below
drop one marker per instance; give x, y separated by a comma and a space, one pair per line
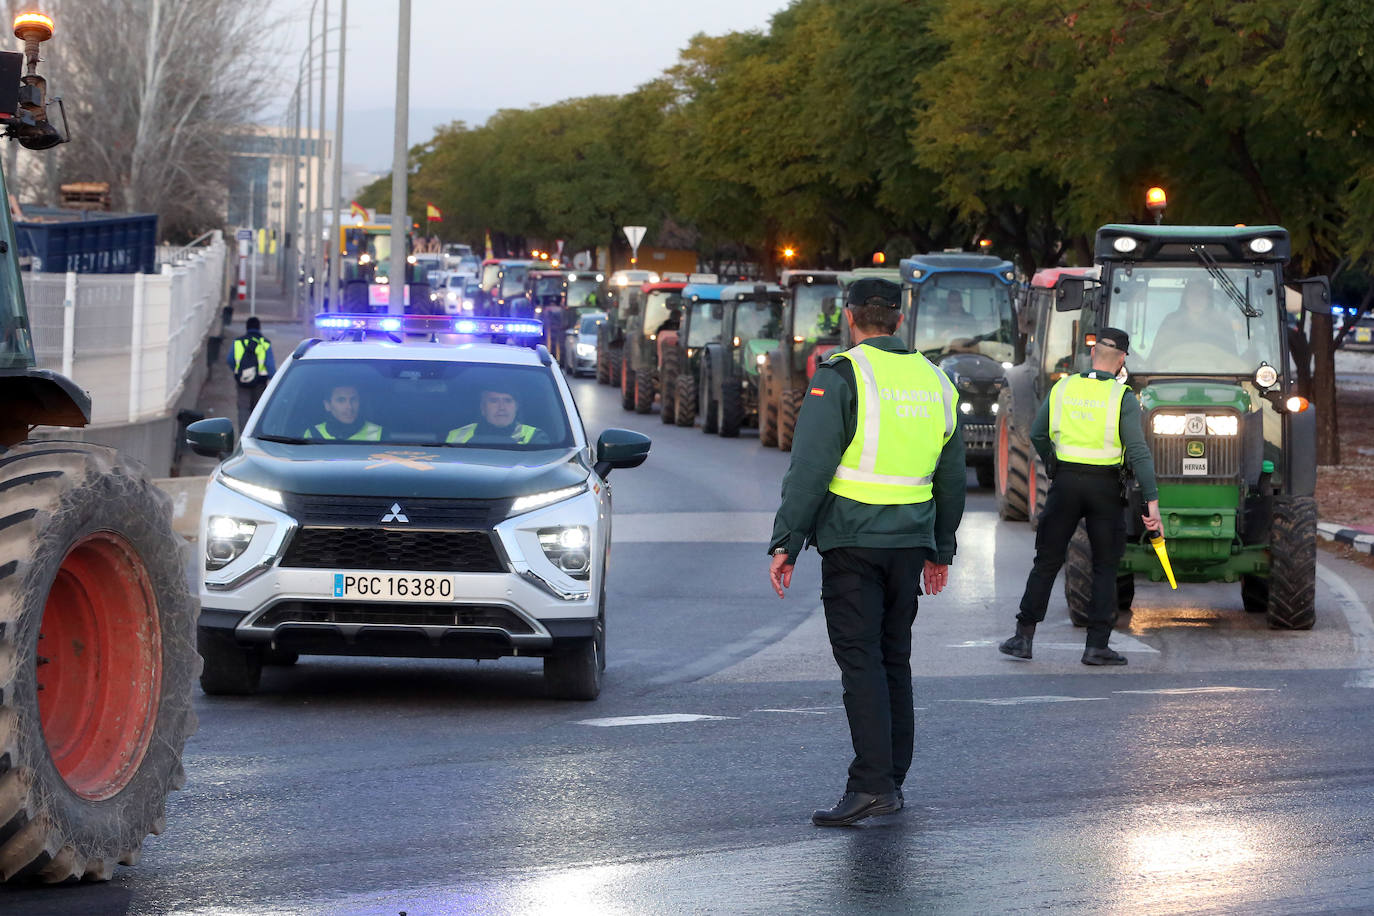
1234, 444
752, 320
811, 330
97, 625
702, 313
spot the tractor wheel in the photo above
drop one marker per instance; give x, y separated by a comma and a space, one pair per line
603, 367
96, 661
983, 470
1125, 597
1293, 563
685, 400
627, 386
787, 417
644, 393
667, 392
575, 673
230, 669
731, 411
768, 422
1078, 577
1254, 594
710, 408
1011, 461
613, 357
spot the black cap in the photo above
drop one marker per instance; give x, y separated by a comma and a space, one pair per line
874, 291
253, 324
1115, 337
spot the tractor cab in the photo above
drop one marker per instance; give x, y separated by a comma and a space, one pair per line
651, 325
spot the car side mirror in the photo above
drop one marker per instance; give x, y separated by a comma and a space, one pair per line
620, 448
1316, 295
212, 438
1071, 293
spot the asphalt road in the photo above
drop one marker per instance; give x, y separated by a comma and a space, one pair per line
1228, 768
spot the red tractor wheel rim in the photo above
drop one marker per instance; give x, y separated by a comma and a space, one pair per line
99, 666
1003, 453
1030, 486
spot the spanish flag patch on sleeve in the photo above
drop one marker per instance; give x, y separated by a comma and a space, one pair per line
818, 391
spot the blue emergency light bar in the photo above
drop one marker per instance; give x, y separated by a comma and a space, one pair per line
430, 324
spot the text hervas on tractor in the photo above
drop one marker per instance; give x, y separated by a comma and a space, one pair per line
702, 314
811, 330
752, 318
650, 326
1233, 442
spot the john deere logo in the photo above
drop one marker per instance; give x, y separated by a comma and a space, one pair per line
1194, 449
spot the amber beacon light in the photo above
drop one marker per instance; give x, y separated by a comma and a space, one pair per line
1155, 201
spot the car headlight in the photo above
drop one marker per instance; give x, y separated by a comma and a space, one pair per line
1224, 425
547, 498
226, 539
568, 548
1166, 424
253, 491
586, 351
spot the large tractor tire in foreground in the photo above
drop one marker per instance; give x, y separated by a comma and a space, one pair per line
1293, 564
1011, 467
685, 399
788, 410
97, 657
1078, 583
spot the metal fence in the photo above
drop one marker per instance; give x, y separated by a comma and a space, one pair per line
128, 339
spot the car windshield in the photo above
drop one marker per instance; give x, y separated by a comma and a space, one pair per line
756, 320
513, 281
415, 402
589, 323
965, 313
457, 282
659, 311
705, 323
579, 290
1181, 321
817, 310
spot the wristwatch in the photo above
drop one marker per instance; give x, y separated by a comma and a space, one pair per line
778, 552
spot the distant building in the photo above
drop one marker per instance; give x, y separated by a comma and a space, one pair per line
260, 174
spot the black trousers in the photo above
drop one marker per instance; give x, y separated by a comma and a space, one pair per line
870, 595
248, 397
1094, 496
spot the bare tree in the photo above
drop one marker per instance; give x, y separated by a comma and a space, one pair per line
154, 91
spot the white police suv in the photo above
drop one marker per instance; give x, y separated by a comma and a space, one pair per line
409, 499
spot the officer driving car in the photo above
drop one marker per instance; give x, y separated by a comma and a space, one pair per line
500, 410
344, 407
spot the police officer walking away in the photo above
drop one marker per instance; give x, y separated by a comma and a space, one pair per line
876, 484
253, 363
1082, 432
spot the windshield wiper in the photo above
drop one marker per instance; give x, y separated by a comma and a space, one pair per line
1241, 300
286, 440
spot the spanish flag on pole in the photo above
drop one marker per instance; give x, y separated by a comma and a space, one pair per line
487, 239
356, 209
432, 213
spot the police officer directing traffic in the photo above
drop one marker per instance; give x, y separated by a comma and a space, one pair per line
876, 484
1083, 430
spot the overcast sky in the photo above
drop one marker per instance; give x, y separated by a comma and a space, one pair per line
471, 58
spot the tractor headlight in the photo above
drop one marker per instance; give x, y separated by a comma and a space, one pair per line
760, 359
1225, 425
568, 549
996, 407
226, 539
1164, 424
1124, 244
1261, 246
1266, 376
965, 407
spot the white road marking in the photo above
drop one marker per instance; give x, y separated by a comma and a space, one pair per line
806, 710
1179, 691
1026, 701
661, 719
695, 527
1361, 624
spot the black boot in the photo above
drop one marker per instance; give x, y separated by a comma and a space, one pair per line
854, 807
1019, 646
1102, 656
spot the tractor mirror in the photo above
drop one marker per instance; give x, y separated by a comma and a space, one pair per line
212, 438
1070, 294
620, 448
1316, 295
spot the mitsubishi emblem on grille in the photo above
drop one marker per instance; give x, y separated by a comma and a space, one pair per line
396, 515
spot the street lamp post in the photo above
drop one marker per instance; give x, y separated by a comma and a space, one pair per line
337, 276
307, 218
323, 260
400, 165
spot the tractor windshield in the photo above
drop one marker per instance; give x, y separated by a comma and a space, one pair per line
705, 323
548, 287
16, 346
965, 313
756, 320
817, 311
662, 311
580, 291
513, 280
1183, 320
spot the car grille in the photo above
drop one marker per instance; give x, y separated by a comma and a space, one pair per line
366, 511
978, 435
386, 548
420, 615
1223, 454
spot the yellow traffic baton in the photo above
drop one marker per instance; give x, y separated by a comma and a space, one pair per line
1157, 542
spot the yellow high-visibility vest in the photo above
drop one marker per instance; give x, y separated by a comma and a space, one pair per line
1085, 420
522, 435
370, 432
907, 411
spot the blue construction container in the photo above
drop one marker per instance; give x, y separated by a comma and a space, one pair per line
88, 242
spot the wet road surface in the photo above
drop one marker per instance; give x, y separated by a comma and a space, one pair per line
1227, 769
